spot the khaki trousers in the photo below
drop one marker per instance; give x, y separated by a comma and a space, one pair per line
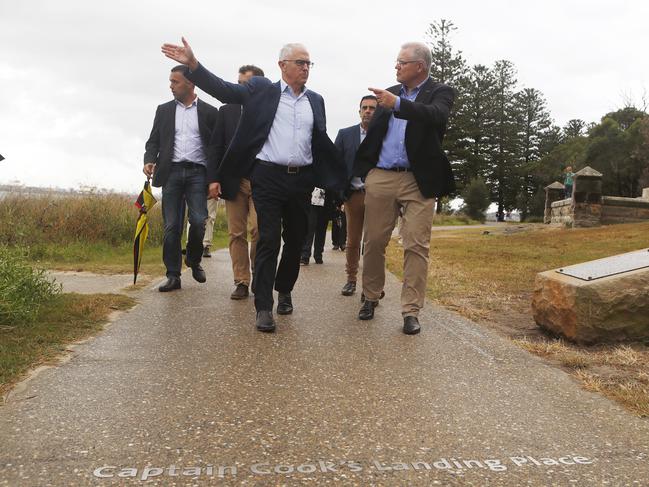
212, 206
385, 192
355, 213
242, 218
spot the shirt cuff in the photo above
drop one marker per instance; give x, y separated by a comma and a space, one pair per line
397, 104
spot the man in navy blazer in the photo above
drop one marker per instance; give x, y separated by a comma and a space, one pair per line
282, 146
347, 141
404, 167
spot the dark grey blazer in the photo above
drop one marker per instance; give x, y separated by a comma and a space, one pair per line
159, 149
347, 142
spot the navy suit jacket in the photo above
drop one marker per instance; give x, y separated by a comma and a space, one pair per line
260, 99
347, 142
427, 118
159, 148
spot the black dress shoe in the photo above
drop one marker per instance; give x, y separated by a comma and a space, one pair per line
265, 321
411, 325
172, 284
284, 304
348, 289
380, 297
304, 261
197, 272
335, 247
318, 260
367, 310
206, 252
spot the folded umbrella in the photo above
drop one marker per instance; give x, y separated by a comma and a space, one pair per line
144, 202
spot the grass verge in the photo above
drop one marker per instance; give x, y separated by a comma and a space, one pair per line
64, 319
103, 258
487, 275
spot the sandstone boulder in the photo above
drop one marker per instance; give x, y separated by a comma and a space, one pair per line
612, 308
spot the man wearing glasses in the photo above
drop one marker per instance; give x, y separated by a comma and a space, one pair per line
282, 146
405, 168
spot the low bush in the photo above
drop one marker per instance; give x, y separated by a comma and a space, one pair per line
22, 289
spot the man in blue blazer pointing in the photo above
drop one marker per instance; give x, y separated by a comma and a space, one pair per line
282, 146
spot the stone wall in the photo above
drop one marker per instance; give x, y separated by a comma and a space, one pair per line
588, 208
624, 210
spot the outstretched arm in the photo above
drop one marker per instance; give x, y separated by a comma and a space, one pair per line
201, 77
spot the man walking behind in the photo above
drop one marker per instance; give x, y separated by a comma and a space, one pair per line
239, 206
176, 157
347, 141
405, 168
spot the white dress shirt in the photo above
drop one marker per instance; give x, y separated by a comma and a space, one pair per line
289, 140
188, 145
356, 182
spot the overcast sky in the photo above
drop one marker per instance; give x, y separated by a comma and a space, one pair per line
81, 79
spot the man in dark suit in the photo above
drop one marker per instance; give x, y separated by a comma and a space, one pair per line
347, 141
240, 208
282, 146
176, 156
405, 167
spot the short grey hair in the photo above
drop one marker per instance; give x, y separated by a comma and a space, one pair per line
421, 51
288, 49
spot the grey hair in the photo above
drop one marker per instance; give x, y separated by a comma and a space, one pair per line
287, 50
421, 51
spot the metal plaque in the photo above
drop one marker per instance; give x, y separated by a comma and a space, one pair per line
609, 266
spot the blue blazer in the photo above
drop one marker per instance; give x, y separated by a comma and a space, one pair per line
347, 142
260, 99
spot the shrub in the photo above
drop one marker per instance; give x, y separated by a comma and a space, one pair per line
22, 288
476, 199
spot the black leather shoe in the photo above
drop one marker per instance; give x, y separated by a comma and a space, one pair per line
172, 284
411, 325
304, 261
284, 304
240, 292
380, 297
348, 289
367, 310
206, 252
318, 260
265, 321
197, 272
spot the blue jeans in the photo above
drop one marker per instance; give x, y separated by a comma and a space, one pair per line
187, 183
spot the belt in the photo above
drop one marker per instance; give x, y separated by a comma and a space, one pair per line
396, 169
284, 168
187, 164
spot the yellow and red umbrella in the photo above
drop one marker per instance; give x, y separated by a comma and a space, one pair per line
144, 202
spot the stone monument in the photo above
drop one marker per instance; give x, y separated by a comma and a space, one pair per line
602, 300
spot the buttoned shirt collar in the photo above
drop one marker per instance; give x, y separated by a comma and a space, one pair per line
194, 102
283, 85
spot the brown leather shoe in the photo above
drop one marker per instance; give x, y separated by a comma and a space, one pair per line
240, 292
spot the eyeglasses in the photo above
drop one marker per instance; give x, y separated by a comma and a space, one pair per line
401, 63
301, 62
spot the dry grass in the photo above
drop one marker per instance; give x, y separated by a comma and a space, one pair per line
66, 318
487, 275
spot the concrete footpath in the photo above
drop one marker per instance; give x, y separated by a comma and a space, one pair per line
183, 391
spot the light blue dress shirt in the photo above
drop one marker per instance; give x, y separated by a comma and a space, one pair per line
188, 145
289, 140
393, 151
